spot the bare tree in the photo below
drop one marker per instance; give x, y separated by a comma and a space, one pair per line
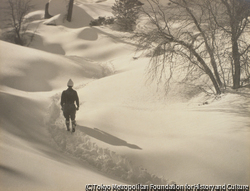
16, 11
232, 16
182, 36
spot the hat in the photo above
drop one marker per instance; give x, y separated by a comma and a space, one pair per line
70, 83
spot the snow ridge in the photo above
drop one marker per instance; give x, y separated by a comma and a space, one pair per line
80, 146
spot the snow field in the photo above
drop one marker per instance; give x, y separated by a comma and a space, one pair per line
126, 131
81, 146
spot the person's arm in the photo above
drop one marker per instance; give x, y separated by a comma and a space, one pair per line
62, 99
77, 101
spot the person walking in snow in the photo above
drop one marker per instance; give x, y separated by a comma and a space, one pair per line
68, 99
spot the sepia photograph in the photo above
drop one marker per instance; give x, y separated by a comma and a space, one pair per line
124, 95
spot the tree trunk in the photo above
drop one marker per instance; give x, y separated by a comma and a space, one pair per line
47, 15
236, 64
236, 10
18, 39
216, 86
210, 51
209, 73
70, 10
204, 65
214, 65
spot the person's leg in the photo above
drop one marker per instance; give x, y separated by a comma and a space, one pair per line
73, 121
66, 115
67, 124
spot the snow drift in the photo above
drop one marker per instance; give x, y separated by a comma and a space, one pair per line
127, 132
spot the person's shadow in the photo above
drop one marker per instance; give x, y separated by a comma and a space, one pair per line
106, 137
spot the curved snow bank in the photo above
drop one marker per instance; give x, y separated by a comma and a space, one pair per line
42, 71
55, 20
30, 160
89, 34
130, 89
76, 38
80, 145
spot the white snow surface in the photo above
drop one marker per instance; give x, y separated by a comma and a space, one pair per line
127, 132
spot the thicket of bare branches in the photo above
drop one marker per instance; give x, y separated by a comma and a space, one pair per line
16, 11
231, 16
191, 36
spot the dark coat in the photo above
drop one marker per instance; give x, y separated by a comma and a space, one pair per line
69, 97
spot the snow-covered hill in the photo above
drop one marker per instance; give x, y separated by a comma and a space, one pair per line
127, 132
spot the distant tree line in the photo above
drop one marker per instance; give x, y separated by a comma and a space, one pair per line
126, 13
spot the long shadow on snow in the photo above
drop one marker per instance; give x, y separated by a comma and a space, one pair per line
106, 137
11, 171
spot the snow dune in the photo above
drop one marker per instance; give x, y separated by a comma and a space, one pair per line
30, 160
127, 132
190, 143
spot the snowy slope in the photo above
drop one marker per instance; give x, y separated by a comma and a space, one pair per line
29, 158
185, 143
126, 131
